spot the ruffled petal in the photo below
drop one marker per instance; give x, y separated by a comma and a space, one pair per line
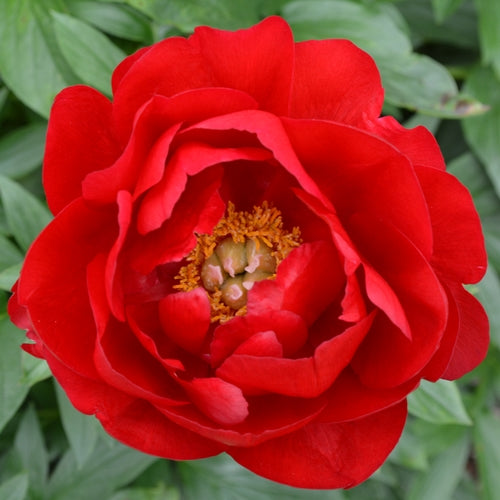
387, 357
304, 377
459, 252
80, 140
359, 172
472, 337
245, 60
185, 317
335, 80
53, 282
417, 144
324, 455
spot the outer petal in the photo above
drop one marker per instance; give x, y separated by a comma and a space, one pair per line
335, 80
388, 358
79, 141
359, 172
472, 336
459, 251
156, 434
417, 144
322, 455
53, 282
349, 399
246, 60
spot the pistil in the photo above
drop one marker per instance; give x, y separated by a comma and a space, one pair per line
244, 248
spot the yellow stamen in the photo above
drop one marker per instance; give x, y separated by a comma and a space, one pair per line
259, 244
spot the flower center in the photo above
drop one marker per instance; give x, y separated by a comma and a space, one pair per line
244, 247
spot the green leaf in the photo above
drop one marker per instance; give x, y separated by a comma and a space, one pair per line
158, 493
15, 488
31, 64
489, 32
91, 55
482, 132
13, 390
26, 215
222, 478
114, 19
108, 468
443, 475
21, 151
438, 402
488, 293
187, 14
81, 430
487, 447
443, 8
30, 446
467, 169
9, 253
458, 29
34, 369
8, 276
410, 80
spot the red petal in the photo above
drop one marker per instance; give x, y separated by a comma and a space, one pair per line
417, 144
322, 455
219, 400
305, 377
114, 290
270, 133
349, 399
245, 60
123, 363
198, 211
79, 141
185, 317
387, 357
53, 282
140, 425
358, 172
472, 337
268, 418
188, 159
308, 280
288, 329
335, 80
459, 250
257, 60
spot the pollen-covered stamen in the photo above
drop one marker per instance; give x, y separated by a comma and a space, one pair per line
244, 247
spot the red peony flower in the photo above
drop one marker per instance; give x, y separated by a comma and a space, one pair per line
246, 259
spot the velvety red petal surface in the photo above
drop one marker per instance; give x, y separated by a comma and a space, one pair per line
387, 357
185, 317
321, 455
157, 434
473, 335
358, 172
211, 58
268, 417
53, 282
335, 80
459, 251
80, 140
304, 377
417, 144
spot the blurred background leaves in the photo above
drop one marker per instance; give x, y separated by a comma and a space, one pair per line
440, 65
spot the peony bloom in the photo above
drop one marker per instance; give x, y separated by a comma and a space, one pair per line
245, 258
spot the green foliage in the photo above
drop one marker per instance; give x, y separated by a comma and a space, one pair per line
426, 51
